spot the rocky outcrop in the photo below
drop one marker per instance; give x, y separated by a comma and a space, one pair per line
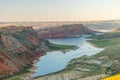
64, 31
18, 48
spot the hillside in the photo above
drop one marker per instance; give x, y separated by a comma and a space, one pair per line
18, 48
64, 31
103, 25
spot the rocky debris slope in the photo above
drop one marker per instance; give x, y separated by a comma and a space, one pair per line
64, 31
18, 48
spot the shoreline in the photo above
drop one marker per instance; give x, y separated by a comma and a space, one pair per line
34, 67
63, 68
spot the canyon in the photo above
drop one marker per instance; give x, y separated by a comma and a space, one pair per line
21, 45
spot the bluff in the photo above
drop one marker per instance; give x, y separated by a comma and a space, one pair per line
64, 31
19, 46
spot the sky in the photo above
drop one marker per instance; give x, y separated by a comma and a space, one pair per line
59, 10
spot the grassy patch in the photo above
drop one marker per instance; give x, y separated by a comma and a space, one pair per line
57, 46
19, 75
52, 46
112, 51
106, 42
13, 78
108, 35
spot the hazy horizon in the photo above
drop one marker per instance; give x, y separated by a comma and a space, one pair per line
58, 10
63, 21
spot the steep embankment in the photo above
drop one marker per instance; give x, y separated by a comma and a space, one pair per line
64, 31
18, 48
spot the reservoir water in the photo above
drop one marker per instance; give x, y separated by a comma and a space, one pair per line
57, 60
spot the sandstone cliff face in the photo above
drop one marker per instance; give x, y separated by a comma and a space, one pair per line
64, 31
18, 48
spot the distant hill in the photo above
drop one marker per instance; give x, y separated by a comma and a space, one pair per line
70, 30
99, 25
103, 25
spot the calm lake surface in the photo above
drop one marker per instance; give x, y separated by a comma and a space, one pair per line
57, 60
